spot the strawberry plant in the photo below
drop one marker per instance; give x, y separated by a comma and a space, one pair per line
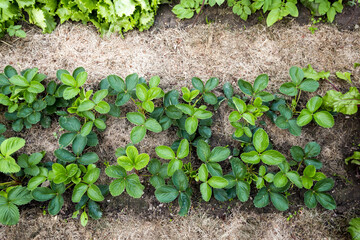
256, 169
322, 118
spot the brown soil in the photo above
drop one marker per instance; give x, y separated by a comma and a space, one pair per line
176, 52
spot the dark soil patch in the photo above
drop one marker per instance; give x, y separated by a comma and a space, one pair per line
349, 19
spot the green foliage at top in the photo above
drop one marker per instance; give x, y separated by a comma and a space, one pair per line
107, 15
276, 9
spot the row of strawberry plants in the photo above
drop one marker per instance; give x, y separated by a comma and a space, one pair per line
83, 113
121, 16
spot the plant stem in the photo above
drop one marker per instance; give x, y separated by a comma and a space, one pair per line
197, 16
197, 100
333, 85
72, 184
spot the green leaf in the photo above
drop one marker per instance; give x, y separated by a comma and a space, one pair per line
42, 194
239, 104
273, 17
203, 173
19, 81
282, 122
238, 168
102, 107
116, 83
272, 157
100, 95
262, 198
9, 213
70, 93
35, 181
154, 81
183, 149
19, 196
94, 193
191, 125
55, 205
307, 182
173, 166
133, 186
84, 219
88, 158
35, 87
304, 118
184, 204
91, 175
115, 172
198, 84
312, 149
202, 114
64, 155
214, 169
326, 200
81, 78
153, 125
211, 84
309, 85
154, 166
79, 144
228, 90
324, 185
10, 71
245, 87
250, 157
203, 150
219, 154
218, 182
309, 171
280, 180
291, 7
79, 190
71, 124
210, 98
296, 74
157, 181
137, 134
166, 194
324, 119
279, 201
165, 152
260, 140
11, 145
131, 81
297, 153
354, 228
242, 190
117, 187
261, 82
122, 98
180, 180
86, 129
314, 104
136, 118
289, 89
310, 199
141, 92
68, 80
206, 191
294, 177
141, 161
249, 117
185, 108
